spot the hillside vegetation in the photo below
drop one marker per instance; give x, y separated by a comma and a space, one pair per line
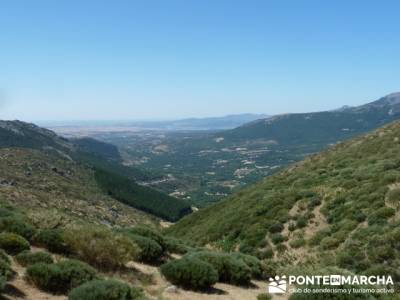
337, 208
50, 187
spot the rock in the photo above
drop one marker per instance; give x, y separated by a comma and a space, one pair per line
171, 289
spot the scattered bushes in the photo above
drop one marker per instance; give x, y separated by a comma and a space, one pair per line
101, 247
13, 243
52, 239
60, 277
18, 226
229, 268
105, 290
190, 273
26, 258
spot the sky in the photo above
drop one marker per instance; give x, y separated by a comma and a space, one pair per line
146, 59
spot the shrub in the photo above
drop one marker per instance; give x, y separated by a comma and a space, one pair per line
380, 216
264, 297
297, 243
5, 270
60, 277
26, 258
190, 273
301, 222
229, 268
176, 246
149, 233
101, 247
150, 250
329, 243
4, 256
252, 262
13, 243
393, 196
52, 239
277, 238
277, 227
292, 226
18, 226
105, 290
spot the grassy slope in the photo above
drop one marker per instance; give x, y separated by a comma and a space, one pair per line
342, 208
59, 190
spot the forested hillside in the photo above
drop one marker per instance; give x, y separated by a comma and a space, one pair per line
337, 208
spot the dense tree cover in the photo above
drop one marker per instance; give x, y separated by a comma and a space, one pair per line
347, 194
141, 197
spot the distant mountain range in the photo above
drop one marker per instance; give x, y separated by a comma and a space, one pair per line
320, 127
77, 128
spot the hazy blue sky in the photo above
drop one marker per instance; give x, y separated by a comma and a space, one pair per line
170, 59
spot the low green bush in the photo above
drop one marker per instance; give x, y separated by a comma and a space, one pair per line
297, 243
60, 277
13, 243
277, 238
52, 239
301, 222
264, 297
26, 258
105, 290
176, 246
101, 247
149, 233
230, 269
393, 196
329, 243
5, 270
4, 256
17, 225
150, 251
277, 227
252, 262
190, 273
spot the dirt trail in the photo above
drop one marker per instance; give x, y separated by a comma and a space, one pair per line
18, 288
159, 289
